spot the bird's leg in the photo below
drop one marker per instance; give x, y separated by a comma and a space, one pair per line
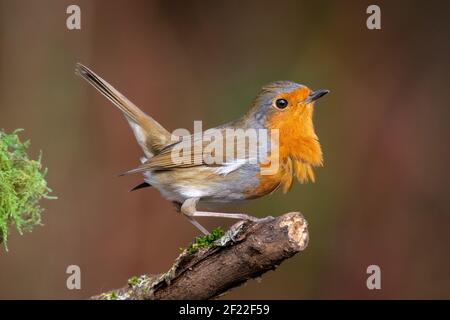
189, 209
186, 208
197, 225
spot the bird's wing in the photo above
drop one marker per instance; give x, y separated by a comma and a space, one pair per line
216, 153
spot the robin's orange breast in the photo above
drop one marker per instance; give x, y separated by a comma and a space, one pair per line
297, 151
268, 183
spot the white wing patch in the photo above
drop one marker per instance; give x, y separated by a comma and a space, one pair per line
226, 168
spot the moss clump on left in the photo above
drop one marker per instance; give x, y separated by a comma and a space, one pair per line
206, 240
22, 185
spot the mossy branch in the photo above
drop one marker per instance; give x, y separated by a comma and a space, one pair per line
246, 251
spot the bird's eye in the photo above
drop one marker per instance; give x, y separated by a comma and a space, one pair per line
281, 103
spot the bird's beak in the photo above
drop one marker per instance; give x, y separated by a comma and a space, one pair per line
313, 96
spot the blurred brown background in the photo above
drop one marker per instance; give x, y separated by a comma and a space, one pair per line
381, 198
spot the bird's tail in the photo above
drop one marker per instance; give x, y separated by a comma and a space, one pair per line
151, 136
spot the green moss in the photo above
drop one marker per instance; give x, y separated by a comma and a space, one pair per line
111, 296
205, 241
22, 185
133, 281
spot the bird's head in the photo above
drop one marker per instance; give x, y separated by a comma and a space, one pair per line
288, 107
284, 101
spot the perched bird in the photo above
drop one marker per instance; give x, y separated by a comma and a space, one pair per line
283, 106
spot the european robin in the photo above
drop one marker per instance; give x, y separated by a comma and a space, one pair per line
283, 106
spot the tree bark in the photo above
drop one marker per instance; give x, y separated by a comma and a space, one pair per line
246, 251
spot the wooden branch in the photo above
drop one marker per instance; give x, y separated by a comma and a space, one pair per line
246, 251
